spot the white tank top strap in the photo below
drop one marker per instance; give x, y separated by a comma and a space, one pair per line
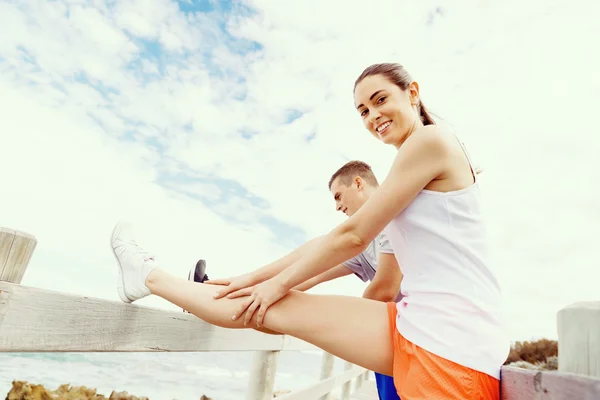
469, 160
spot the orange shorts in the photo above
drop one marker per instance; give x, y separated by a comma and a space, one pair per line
419, 374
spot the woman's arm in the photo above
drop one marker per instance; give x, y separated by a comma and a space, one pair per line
422, 158
385, 286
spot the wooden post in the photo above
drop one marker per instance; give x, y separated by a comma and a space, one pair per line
579, 339
366, 378
16, 249
359, 381
262, 375
346, 386
326, 370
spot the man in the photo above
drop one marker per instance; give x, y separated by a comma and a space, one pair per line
351, 186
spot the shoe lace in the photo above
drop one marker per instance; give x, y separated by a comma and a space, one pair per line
139, 251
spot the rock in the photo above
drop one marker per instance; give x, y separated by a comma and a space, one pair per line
526, 365
124, 396
552, 363
27, 391
24, 391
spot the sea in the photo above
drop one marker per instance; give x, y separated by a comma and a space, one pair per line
159, 376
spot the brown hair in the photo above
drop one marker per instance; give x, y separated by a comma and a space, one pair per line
351, 169
396, 74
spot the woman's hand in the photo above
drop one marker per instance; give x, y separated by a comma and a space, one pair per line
261, 297
232, 285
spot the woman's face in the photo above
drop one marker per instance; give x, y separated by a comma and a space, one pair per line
388, 112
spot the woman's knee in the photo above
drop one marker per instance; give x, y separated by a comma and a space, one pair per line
279, 315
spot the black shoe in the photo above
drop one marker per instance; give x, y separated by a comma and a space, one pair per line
198, 273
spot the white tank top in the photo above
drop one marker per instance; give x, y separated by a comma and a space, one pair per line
452, 302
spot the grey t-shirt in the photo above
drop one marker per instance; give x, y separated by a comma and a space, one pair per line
364, 265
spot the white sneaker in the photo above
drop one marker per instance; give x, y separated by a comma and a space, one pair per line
134, 264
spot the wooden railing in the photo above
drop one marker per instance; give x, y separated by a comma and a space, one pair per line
578, 375
38, 320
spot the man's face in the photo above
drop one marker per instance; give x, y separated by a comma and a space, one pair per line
348, 199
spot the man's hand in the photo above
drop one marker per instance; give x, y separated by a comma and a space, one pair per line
261, 297
220, 281
232, 285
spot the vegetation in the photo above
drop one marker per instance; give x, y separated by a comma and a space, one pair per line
542, 353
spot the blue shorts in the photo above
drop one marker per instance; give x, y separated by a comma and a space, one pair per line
386, 388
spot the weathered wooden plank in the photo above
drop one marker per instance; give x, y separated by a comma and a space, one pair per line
523, 384
579, 339
519, 384
262, 376
37, 320
327, 363
368, 391
16, 249
325, 386
7, 237
561, 386
347, 386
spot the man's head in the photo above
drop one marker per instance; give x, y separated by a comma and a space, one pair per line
351, 186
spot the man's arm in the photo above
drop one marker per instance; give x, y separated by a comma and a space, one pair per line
333, 273
268, 271
385, 286
272, 269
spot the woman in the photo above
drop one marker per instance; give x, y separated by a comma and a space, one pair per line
446, 338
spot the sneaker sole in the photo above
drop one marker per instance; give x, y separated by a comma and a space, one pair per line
192, 273
120, 283
201, 264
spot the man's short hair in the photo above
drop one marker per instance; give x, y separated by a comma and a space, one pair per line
352, 169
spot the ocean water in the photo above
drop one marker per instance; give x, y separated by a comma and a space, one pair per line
158, 376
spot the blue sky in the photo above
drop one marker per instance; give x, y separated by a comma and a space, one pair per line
152, 50
215, 127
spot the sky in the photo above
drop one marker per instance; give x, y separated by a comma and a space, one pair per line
215, 126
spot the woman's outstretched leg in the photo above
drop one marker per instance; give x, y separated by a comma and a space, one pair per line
351, 328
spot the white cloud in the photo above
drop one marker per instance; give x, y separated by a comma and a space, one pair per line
516, 81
